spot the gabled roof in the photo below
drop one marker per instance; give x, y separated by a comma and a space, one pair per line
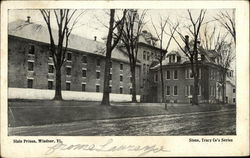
37, 32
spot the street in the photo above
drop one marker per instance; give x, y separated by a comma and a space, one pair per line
221, 122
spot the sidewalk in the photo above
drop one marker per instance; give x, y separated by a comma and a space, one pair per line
31, 112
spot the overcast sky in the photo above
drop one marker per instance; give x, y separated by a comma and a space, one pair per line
92, 22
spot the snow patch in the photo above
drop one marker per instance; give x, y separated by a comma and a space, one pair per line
44, 94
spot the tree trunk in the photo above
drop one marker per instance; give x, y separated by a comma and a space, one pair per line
162, 84
106, 91
223, 88
58, 89
133, 84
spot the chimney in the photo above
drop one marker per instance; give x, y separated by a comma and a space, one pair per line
28, 19
94, 38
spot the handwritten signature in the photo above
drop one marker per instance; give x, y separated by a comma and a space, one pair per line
108, 147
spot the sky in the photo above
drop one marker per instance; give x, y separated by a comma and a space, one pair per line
93, 22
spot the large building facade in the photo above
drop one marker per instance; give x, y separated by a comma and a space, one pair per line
30, 65
178, 80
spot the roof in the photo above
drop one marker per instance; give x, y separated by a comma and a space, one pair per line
38, 32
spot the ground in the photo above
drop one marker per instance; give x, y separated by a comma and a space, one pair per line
89, 118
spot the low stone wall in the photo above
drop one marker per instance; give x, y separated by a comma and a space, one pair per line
41, 94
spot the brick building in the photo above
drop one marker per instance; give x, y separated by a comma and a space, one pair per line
30, 66
178, 79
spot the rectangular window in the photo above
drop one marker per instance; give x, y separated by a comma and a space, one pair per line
110, 89
68, 86
31, 49
110, 63
51, 69
98, 62
191, 74
178, 58
30, 66
130, 90
121, 78
84, 59
144, 68
175, 90
68, 71
83, 87
50, 54
191, 88
199, 90
186, 91
199, 73
144, 55
121, 66
131, 79
186, 73
50, 84
175, 74
234, 90
97, 87
148, 56
156, 77
152, 55
168, 75
84, 73
168, 90
110, 76
30, 83
97, 75
121, 90
69, 56
234, 100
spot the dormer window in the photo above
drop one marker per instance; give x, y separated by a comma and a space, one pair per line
178, 59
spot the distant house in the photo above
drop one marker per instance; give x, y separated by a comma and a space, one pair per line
178, 79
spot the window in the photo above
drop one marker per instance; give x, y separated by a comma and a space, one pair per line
173, 58
50, 84
110, 89
110, 76
148, 56
199, 73
121, 90
130, 90
191, 88
199, 90
68, 71
147, 68
178, 58
156, 77
168, 74
144, 68
84, 59
234, 90
31, 49
144, 55
97, 75
97, 88
234, 100
50, 54
121, 78
69, 56
186, 90
68, 86
152, 55
30, 83
175, 74
131, 79
175, 90
121, 66
84, 72
83, 87
98, 62
30, 66
168, 90
51, 69
110, 63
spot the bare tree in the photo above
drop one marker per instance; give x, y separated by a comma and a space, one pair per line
66, 20
160, 32
114, 35
228, 22
191, 48
133, 25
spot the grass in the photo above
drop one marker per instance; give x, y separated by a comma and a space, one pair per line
41, 112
